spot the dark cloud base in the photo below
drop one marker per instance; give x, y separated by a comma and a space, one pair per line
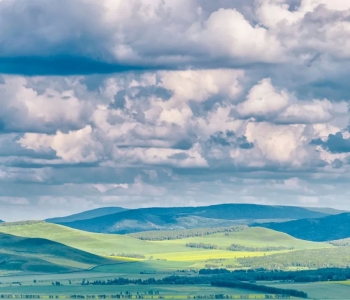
61, 66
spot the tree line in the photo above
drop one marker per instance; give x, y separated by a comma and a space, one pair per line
328, 274
259, 288
201, 245
129, 255
237, 247
186, 233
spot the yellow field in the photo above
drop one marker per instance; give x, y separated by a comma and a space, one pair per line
123, 259
208, 254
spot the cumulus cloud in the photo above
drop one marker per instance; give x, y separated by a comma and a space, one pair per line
263, 101
177, 102
134, 35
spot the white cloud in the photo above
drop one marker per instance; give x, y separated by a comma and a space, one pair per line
313, 112
280, 143
103, 188
222, 89
263, 101
74, 146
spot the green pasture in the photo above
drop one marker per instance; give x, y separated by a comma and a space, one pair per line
114, 244
96, 243
318, 290
160, 256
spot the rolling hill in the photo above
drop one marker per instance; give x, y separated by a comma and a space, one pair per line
329, 228
250, 237
94, 213
42, 255
99, 244
171, 218
107, 244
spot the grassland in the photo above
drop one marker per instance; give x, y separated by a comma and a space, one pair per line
252, 237
166, 255
96, 243
336, 257
318, 290
42, 255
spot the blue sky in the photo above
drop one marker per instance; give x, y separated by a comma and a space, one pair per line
173, 102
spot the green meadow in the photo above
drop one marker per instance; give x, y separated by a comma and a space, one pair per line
319, 290
165, 255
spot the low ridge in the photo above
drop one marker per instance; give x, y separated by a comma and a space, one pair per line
93, 213
329, 228
170, 218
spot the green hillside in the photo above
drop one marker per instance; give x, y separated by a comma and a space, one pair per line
100, 244
336, 257
185, 253
172, 250
251, 237
42, 255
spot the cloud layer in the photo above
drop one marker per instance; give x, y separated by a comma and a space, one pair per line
172, 103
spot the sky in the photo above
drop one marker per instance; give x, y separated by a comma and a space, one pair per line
172, 103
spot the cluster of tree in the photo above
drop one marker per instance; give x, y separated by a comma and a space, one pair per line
201, 245
336, 257
259, 288
166, 280
329, 274
214, 271
129, 255
237, 247
180, 234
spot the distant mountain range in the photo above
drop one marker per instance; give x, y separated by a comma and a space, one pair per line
334, 227
170, 218
94, 213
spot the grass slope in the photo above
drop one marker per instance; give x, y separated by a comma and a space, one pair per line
328, 228
335, 257
252, 237
42, 255
145, 219
94, 213
172, 253
100, 244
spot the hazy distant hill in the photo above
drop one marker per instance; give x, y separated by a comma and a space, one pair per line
327, 210
42, 255
170, 218
334, 227
94, 213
